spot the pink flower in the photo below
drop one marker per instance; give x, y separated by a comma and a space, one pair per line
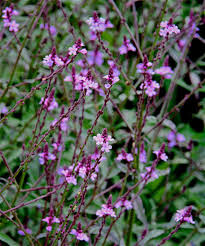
96, 24
149, 174
58, 61
13, 26
73, 50
48, 61
80, 235
162, 156
124, 203
184, 215
44, 157
164, 71
20, 232
175, 138
95, 57
50, 220
104, 139
168, 28
70, 179
105, 211
127, 46
49, 105
125, 156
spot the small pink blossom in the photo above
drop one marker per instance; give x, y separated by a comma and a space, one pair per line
48, 61
168, 28
124, 203
127, 46
105, 211
164, 71
13, 26
58, 61
162, 156
184, 215
50, 220
104, 139
80, 235
70, 179
125, 156
20, 232
96, 24
149, 174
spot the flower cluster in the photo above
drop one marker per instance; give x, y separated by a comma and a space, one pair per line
95, 57
98, 24
79, 234
125, 156
83, 82
160, 155
168, 28
175, 138
49, 103
70, 179
150, 174
103, 140
124, 203
184, 215
45, 155
22, 233
111, 78
52, 59
142, 154
50, 220
76, 48
127, 46
63, 124
8, 12
148, 85
106, 209
164, 71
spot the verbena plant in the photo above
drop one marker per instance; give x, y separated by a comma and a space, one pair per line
102, 117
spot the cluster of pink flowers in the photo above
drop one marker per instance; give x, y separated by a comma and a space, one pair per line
168, 28
45, 155
149, 86
111, 78
98, 24
50, 220
164, 71
52, 29
22, 233
76, 48
83, 82
125, 156
142, 154
49, 103
127, 46
124, 203
150, 174
184, 215
8, 12
52, 59
160, 155
79, 234
70, 178
175, 138
63, 124
103, 140
95, 57
106, 209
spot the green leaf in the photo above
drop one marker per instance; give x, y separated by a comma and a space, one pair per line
6, 239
